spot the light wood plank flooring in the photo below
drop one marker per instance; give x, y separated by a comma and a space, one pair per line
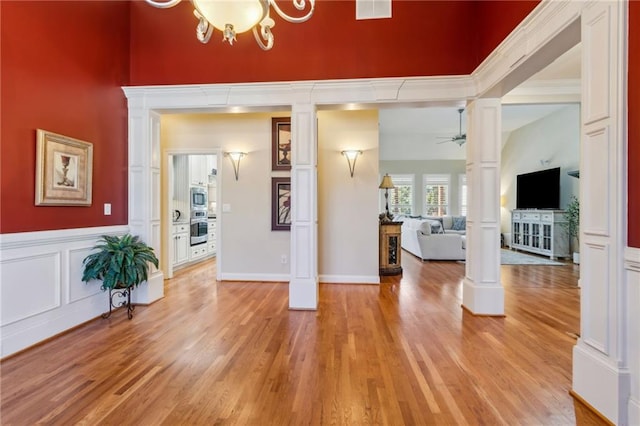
232, 353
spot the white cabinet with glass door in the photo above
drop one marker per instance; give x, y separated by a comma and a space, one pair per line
540, 231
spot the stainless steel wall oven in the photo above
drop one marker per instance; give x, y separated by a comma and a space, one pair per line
199, 229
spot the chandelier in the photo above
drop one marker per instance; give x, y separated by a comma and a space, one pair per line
238, 16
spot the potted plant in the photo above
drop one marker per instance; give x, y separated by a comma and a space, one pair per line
572, 214
122, 263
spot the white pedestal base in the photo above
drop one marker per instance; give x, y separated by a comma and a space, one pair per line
149, 292
483, 300
603, 386
303, 295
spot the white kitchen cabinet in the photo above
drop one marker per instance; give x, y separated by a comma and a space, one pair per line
181, 243
198, 251
198, 173
540, 231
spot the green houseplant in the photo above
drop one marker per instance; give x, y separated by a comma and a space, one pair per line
572, 214
122, 263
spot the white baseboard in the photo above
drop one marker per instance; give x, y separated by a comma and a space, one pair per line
350, 279
236, 276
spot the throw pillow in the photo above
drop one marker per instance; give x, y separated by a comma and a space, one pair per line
459, 223
436, 227
425, 228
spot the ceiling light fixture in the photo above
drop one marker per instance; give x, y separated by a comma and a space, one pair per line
238, 16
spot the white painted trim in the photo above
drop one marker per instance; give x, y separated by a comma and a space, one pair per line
232, 276
349, 279
167, 155
221, 97
38, 238
632, 260
548, 92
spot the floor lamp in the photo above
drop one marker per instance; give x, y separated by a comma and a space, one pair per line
386, 184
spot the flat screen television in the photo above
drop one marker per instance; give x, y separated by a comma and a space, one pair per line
538, 190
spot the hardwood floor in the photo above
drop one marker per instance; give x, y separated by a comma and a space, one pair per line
404, 352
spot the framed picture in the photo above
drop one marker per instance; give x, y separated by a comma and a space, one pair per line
281, 143
63, 170
280, 204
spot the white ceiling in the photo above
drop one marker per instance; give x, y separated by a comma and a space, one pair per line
416, 133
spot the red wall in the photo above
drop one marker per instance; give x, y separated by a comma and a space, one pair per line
634, 124
423, 38
497, 19
63, 64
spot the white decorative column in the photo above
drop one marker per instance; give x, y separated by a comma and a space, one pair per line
144, 191
303, 285
482, 291
601, 356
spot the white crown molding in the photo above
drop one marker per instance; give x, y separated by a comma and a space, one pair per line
545, 91
546, 22
325, 92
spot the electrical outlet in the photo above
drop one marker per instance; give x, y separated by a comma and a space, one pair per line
283, 259
107, 209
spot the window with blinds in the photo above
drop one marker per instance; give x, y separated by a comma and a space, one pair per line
462, 181
401, 196
436, 189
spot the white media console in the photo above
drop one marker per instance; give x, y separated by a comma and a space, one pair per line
540, 231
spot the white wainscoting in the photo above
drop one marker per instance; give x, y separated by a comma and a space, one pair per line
41, 289
632, 279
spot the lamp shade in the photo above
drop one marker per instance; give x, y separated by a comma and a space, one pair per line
386, 183
243, 15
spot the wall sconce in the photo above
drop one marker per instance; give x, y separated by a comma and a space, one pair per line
235, 160
352, 156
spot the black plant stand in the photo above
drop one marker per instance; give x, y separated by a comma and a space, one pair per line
120, 293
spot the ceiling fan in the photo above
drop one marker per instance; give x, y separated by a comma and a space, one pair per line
460, 138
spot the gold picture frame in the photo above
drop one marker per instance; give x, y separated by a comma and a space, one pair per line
63, 170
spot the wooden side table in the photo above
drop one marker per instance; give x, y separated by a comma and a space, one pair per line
390, 248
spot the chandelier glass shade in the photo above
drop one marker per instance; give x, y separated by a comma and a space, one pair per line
233, 17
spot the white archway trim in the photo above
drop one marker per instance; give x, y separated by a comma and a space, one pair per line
601, 359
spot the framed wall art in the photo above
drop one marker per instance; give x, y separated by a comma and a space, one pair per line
280, 204
63, 170
280, 143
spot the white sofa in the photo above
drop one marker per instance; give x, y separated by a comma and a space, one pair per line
426, 239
